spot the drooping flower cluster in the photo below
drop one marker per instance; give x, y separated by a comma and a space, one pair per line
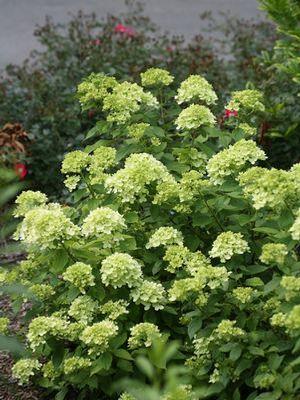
46, 227
271, 188
131, 182
196, 88
105, 224
248, 100
227, 244
231, 161
142, 335
273, 253
149, 294
194, 117
24, 369
94, 89
28, 200
98, 335
120, 269
126, 99
80, 275
165, 236
156, 77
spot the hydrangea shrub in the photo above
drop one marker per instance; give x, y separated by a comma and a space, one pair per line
176, 230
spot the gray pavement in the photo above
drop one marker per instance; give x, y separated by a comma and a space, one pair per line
19, 17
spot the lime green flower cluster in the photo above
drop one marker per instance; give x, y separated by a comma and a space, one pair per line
102, 159
98, 335
273, 253
165, 236
143, 334
125, 100
75, 162
149, 294
105, 224
4, 322
243, 295
71, 182
74, 364
28, 200
156, 77
194, 117
24, 369
80, 275
291, 284
196, 88
46, 227
182, 392
271, 188
94, 89
227, 244
126, 396
249, 101
226, 331
137, 131
42, 291
295, 229
49, 371
176, 256
264, 378
248, 129
183, 289
131, 182
120, 269
114, 309
42, 327
83, 309
231, 161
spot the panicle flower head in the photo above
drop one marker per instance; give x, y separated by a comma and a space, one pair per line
226, 331
295, 229
97, 336
131, 182
273, 253
166, 191
142, 335
24, 369
42, 291
125, 100
149, 294
75, 363
4, 322
80, 275
182, 392
248, 130
165, 236
243, 294
248, 100
227, 244
291, 284
49, 371
231, 161
137, 131
102, 159
194, 117
28, 200
196, 88
182, 289
93, 89
176, 257
75, 162
268, 188
71, 182
292, 321
120, 269
156, 77
46, 227
83, 309
103, 223
191, 185
114, 309
42, 327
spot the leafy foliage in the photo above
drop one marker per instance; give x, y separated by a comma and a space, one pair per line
179, 241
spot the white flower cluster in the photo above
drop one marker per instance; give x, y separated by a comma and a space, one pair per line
143, 334
80, 275
227, 244
165, 236
149, 294
98, 335
28, 200
196, 88
120, 269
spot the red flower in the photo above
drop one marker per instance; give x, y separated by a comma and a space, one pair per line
21, 170
127, 30
230, 113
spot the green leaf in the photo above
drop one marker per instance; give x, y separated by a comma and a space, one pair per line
145, 366
235, 353
124, 354
194, 326
103, 363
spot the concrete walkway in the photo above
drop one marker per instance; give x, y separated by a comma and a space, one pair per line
19, 17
